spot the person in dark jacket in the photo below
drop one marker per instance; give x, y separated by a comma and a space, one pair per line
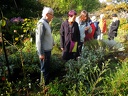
69, 32
113, 27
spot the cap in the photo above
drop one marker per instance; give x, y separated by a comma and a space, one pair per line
114, 15
72, 12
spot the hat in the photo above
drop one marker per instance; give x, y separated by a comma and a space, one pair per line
72, 12
93, 18
114, 15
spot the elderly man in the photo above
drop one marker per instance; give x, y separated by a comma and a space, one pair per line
44, 42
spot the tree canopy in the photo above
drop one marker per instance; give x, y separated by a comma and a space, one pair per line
33, 8
22, 8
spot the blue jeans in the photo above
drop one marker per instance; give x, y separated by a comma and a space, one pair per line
45, 66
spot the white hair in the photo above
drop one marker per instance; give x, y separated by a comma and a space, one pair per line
93, 18
102, 16
47, 10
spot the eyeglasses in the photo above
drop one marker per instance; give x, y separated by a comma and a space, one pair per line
71, 15
50, 14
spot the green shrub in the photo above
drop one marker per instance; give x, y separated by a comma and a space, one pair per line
116, 83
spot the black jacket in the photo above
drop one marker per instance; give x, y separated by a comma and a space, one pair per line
67, 34
113, 28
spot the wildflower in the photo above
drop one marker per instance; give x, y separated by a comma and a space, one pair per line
16, 39
17, 20
15, 31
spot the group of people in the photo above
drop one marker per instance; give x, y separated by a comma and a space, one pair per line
101, 27
74, 31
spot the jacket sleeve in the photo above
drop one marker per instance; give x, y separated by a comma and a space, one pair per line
78, 34
62, 36
90, 28
39, 38
115, 28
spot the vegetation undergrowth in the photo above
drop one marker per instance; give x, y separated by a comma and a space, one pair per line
101, 69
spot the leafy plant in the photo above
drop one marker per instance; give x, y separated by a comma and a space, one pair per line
116, 83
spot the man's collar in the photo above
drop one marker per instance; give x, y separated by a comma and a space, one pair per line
45, 20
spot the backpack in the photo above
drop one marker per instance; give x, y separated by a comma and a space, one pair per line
96, 25
90, 36
97, 32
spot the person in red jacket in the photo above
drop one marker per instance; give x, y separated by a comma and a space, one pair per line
96, 30
89, 36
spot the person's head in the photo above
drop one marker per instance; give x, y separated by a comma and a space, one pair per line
84, 15
93, 19
102, 16
71, 16
114, 17
48, 13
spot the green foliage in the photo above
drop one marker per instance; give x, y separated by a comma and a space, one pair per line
55, 25
57, 65
61, 7
116, 83
85, 75
29, 24
18, 29
91, 85
90, 60
97, 45
56, 89
56, 49
89, 5
91, 75
5, 89
23, 8
114, 8
28, 56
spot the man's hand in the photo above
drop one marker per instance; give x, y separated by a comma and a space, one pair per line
42, 57
62, 49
